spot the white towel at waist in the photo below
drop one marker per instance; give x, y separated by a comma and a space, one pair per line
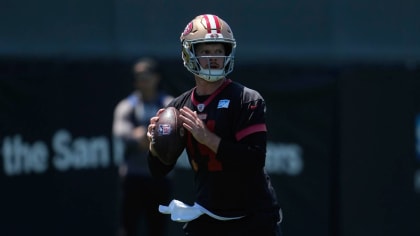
182, 212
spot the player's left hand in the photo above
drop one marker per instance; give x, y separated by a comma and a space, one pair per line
195, 125
198, 129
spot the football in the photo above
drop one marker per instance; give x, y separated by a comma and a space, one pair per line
169, 136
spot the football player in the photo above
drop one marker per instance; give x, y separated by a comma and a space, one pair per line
226, 139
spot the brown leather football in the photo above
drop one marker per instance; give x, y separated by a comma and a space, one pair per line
169, 136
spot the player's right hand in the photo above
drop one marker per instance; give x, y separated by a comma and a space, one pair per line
152, 124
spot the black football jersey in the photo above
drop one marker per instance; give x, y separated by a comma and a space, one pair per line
232, 182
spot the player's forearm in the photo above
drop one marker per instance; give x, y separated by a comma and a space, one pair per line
212, 141
248, 153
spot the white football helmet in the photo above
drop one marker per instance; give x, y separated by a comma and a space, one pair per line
207, 29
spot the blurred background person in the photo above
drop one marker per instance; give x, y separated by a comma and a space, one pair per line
141, 194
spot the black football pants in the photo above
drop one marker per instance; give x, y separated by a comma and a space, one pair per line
259, 224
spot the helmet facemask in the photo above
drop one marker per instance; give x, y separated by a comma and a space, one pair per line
191, 61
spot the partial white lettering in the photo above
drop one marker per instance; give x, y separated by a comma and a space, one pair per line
20, 157
80, 153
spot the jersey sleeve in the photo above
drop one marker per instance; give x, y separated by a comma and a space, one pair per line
251, 117
248, 153
248, 148
179, 101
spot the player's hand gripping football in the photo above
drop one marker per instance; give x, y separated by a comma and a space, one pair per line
198, 129
150, 132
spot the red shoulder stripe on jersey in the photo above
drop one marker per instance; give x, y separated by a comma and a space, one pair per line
250, 130
209, 99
